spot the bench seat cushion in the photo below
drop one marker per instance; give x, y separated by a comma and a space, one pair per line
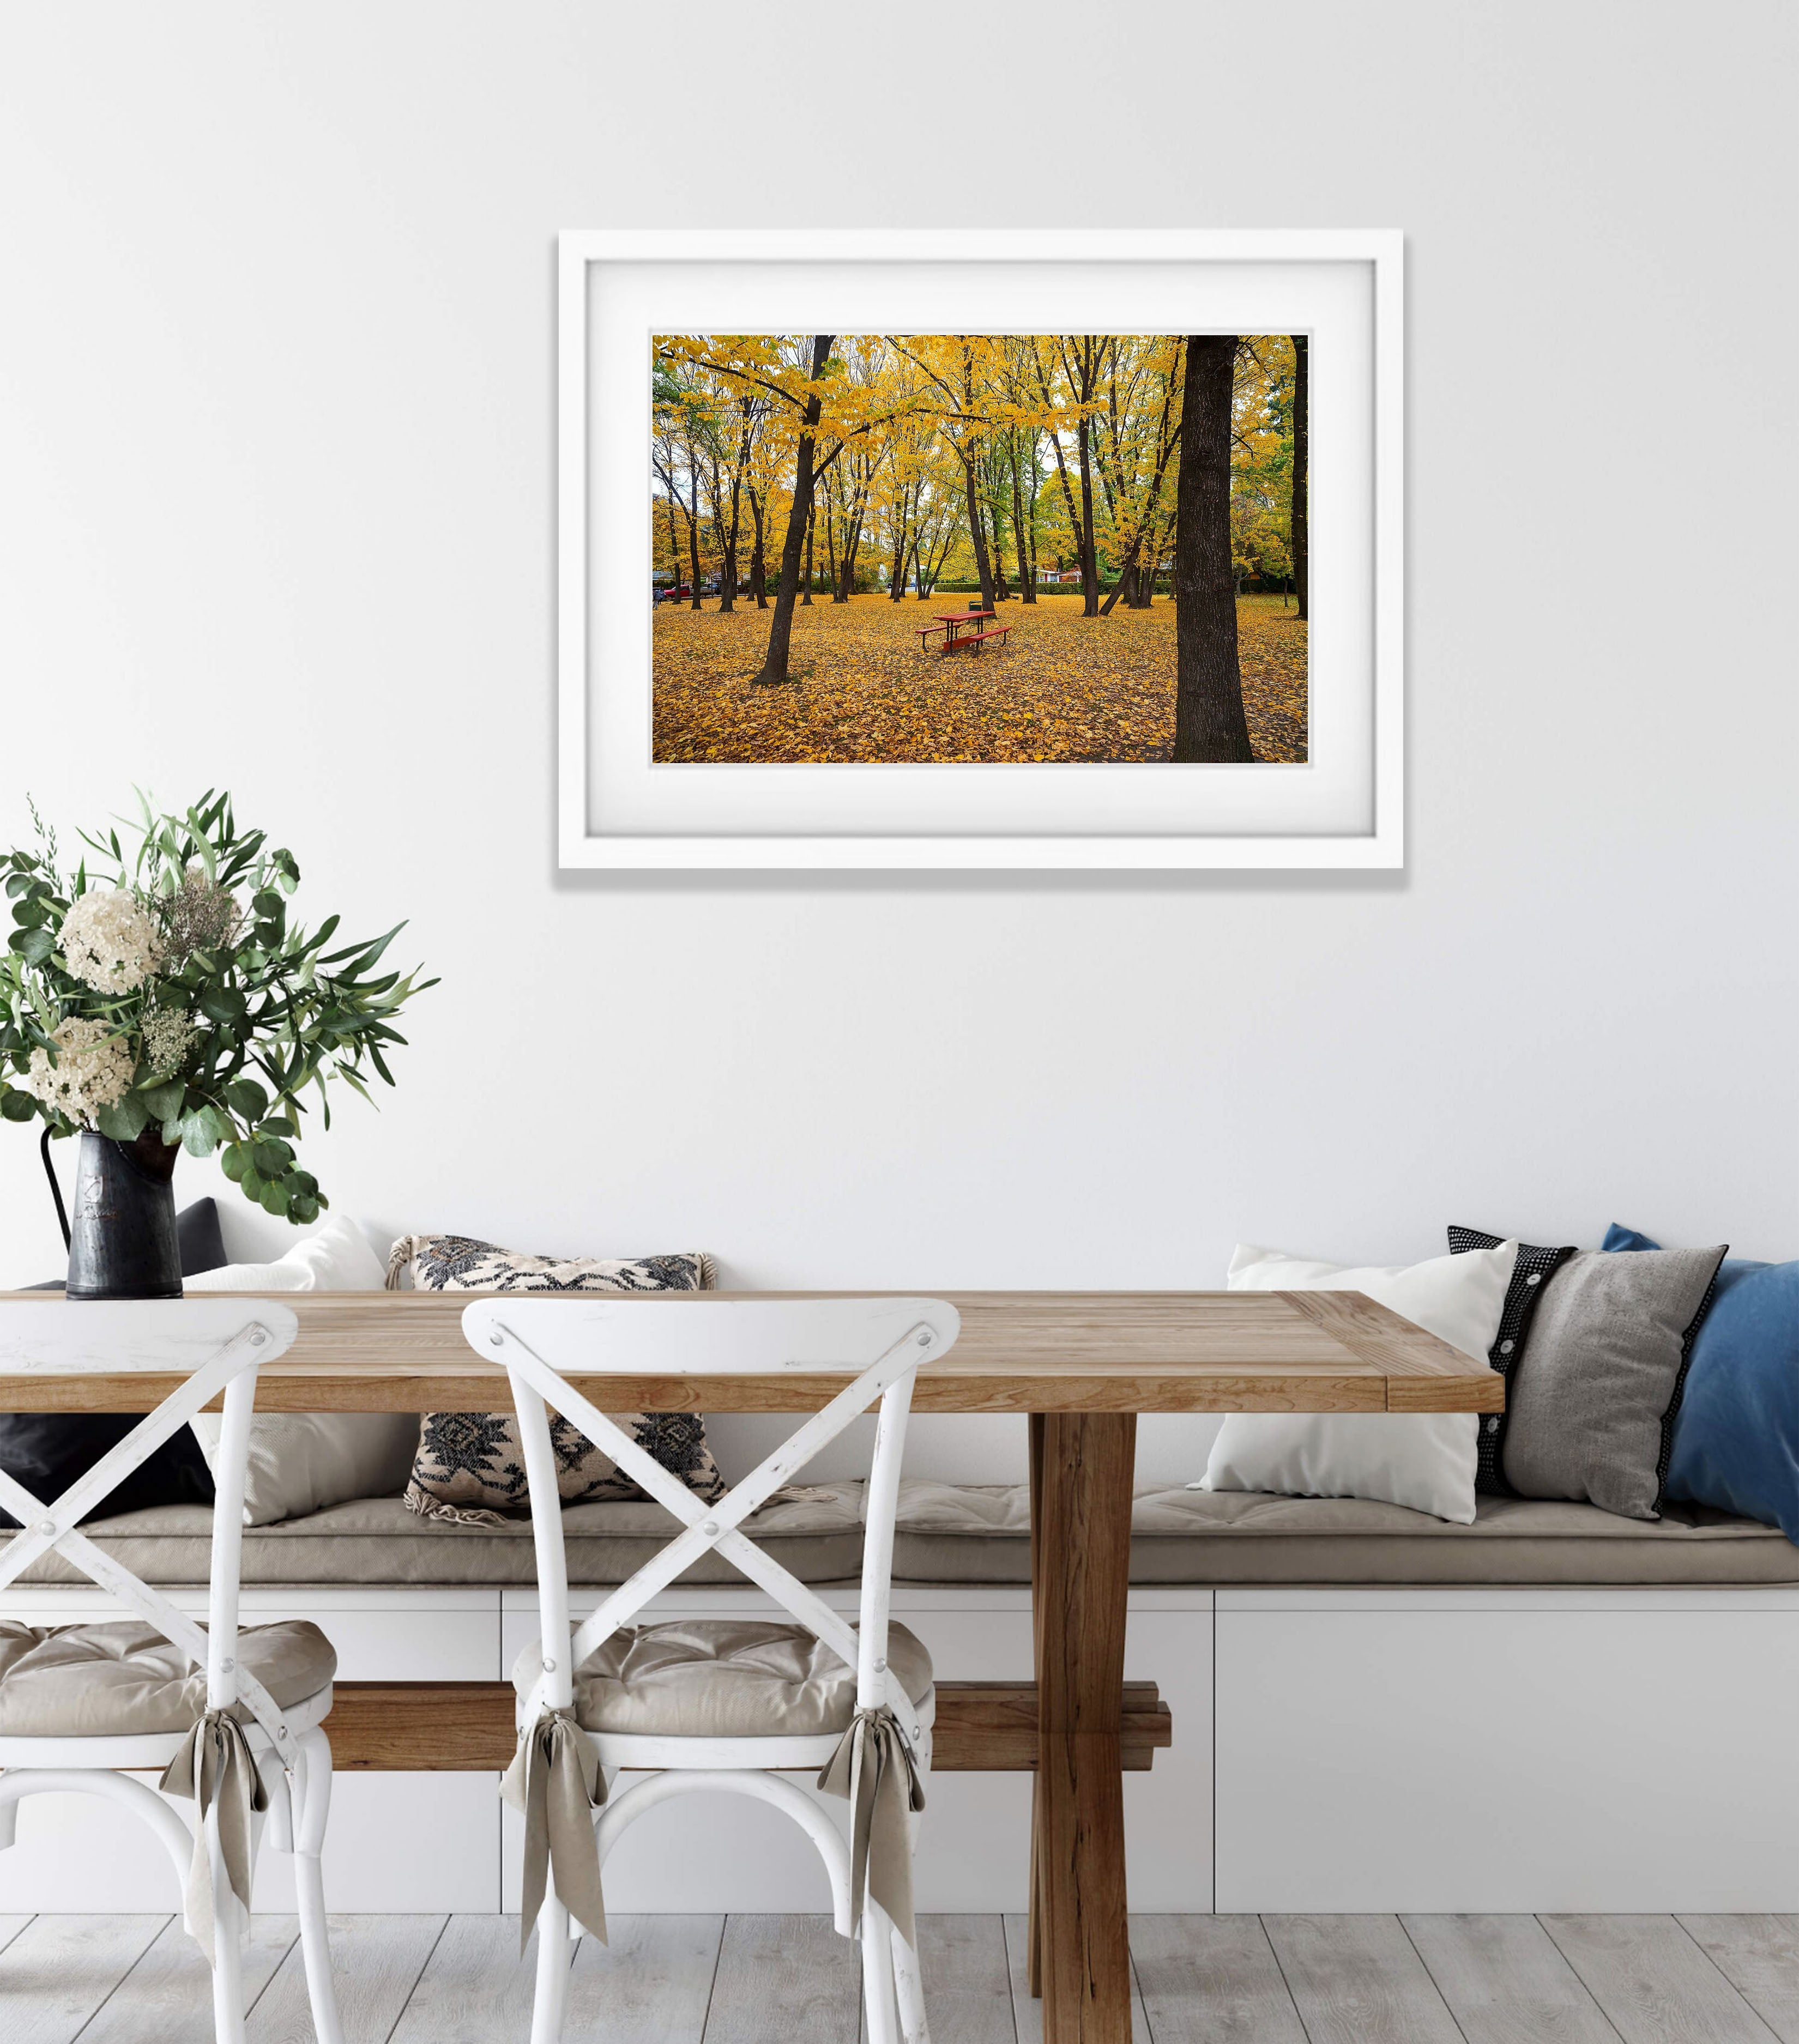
124, 1680
723, 1678
951, 1533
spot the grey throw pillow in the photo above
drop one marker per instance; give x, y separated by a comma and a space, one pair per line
1594, 1398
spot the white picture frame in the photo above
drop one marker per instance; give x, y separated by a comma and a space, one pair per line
617, 809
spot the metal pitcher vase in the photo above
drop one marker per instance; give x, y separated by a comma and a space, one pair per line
122, 1241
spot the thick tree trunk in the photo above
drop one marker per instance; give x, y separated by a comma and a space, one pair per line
1297, 519
758, 566
811, 521
1209, 724
674, 550
831, 544
852, 546
799, 528
977, 531
1027, 587
1090, 559
1143, 594
896, 574
727, 574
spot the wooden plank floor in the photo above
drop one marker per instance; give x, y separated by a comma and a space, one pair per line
788, 1979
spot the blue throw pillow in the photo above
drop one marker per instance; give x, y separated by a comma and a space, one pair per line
1736, 1438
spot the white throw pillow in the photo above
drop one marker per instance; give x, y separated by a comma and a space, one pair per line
1425, 1461
302, 1461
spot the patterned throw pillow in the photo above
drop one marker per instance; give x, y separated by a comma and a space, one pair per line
470, 1467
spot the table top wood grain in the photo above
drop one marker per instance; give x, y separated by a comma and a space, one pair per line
1019, 1352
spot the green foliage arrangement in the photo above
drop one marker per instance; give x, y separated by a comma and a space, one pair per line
167, 996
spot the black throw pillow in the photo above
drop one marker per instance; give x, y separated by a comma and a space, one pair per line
47, 1451
1532, 1271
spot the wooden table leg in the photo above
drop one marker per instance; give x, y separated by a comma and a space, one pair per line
1081, 1469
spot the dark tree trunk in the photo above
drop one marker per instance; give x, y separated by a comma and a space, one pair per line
1126, 585
1090, 557
674, 548
1209, 724
1027, 587
852, 546
977, 531
758, 566
1297, 520
1143, 593
727, 574
831, 544
799, 528
693, 527
896, 574
811, 521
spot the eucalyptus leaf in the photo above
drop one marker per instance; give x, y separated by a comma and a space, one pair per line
16, 1106
303, 1208
234, 1161
275, 1197
33, 946
223, 1004
271, 1158
246, 1097
203, 1130
125, 1120
164, 1099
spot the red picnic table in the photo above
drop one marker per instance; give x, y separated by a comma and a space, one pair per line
954, 623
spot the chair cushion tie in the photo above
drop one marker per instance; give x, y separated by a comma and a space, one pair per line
556, 1783
215, 1769
873, 1767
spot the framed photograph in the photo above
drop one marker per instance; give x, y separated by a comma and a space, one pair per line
1076, 550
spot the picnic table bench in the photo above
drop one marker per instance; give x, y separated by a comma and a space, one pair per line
954, 625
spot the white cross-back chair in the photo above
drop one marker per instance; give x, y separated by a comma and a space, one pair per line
674, 1699
79, 1704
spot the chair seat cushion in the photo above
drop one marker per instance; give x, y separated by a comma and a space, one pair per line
724, 1678
124, 1680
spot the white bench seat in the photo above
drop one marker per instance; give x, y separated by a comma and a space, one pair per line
1599, 1655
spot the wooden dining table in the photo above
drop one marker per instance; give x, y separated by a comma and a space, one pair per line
1082, 1365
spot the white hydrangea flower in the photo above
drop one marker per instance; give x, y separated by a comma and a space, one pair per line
109, 942
93, 1069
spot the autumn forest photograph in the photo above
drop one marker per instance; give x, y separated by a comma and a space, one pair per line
938, 549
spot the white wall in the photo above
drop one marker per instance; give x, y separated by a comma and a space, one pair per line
275, 512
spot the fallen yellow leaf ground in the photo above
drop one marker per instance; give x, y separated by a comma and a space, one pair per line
1061, 687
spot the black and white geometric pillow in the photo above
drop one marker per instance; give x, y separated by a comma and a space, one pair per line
1532, 1273
459, 1263
470, 1467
